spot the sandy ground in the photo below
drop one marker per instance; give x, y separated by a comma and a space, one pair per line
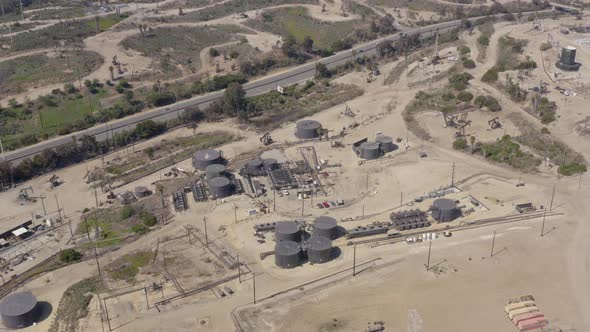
553, 268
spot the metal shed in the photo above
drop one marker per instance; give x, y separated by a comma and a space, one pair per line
19, 310
287, 254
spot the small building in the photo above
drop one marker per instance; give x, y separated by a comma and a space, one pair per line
525, 207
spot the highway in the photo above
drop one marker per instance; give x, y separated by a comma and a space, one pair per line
295, 75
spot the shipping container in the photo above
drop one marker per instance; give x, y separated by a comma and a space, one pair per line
523, 317
521, 311
518, 305
533, 323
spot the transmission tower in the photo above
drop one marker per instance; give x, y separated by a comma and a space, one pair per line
414, 321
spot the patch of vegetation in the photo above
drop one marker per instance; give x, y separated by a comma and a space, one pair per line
41, 69
69, 255
545, 46
468, 63
572, 168
73, 305
422, 102
127, 267
460, 144
514, 90
489, 102
460, 81
486, 30
506, 151
71, 32
235, 6
490, 76
510, 52
126, 212
176, 47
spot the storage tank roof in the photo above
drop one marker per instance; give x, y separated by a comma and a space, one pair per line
287, 248
370, 146
17, 304
319, 243
308, 124
445, 204
287, 227
215, 168
325, 222
571, 48
219, 181
207, 155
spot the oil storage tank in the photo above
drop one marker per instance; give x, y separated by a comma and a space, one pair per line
386, 143
254, 165
567, 60
326, 226
306, 129
287, 254
204, 158
287, 231
19, 310
445, 210
214, 171
369, 150
319, 249
220, 187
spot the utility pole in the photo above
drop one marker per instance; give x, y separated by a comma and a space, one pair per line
254, 285
235, 214
543, 224
1, 147
107, 312
493, 242
428, 261
239, 269
302, 205
58, 209
206, 238
22, 13
274, 200
43, 204
354, 261
97, 263
453, 176
401, 198
552, 196
146, 297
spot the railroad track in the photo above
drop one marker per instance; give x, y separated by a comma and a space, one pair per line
470, 225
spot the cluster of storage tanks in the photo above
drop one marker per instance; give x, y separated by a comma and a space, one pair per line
211, 161
294, 245
373, 150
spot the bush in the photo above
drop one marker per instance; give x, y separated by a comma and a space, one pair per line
70, 255
460, 144
545, 131
468, 63
464, 50
161, 98
465, 96
234, 54
488, 101
571, 169
213, 52
491, 76
545, 46
139, 229
126, 212
460, 81
483, 40
148, 219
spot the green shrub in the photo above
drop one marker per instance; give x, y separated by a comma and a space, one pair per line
491, 76
464, 50
571, 169
126, 212
545, 46
483, 40
465, 96
148, 219
545, 131
460, 144
213, 52
139, 229
468, 63
70, 255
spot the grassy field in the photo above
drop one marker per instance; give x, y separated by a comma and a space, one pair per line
71, 34
235, 6
59, 13
127, 267
19, 74
73, 305
177, 47
297, 22
17, 27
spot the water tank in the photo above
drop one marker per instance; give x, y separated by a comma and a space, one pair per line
141, 191
287, 231
568, 55
220, 187
445, 210
287, 254
270, 164
214, 171
386, 143
319, 249
254, 165
19, 310
326, 226
369, 150
306, 129
204, 158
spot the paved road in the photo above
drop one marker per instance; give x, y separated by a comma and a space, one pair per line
264, 85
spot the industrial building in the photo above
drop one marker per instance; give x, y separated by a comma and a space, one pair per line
445, 210
204, 158
19, 310
567, 60
288, 254
308, 129
325, 226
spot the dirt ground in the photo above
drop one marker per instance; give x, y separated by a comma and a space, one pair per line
466, 290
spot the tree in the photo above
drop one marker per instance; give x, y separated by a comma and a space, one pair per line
307, 44
111, 70
460, 144
322, 71
472, 143
213, 52
233, 101
70, 255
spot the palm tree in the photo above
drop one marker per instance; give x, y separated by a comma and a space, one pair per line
112, 73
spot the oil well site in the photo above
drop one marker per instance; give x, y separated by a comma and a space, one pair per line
321, 166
